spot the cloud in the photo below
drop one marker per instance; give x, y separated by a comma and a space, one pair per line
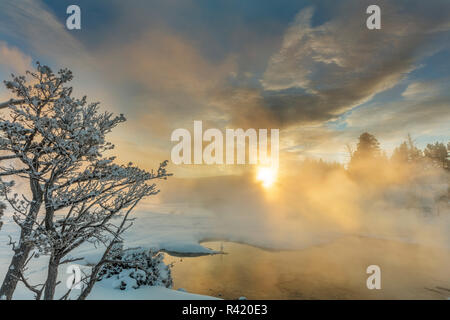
163, 82
31, 22
13, 60
421, 110
395, 120
165, 64
322, 71
163, 71
422, 89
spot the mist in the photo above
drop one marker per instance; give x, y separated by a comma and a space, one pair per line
315, 202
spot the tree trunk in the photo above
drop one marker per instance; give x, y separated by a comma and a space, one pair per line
94, 273
22, 252
50, 284
92, 280
2, 208
13, 274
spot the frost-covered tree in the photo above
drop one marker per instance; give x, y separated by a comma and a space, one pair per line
2, 209
57, 143
135, 267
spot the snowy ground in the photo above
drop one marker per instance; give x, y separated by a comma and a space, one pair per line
178, 230
158, 231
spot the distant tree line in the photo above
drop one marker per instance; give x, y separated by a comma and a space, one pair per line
435, 155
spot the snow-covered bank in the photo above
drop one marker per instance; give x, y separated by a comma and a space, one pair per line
160, 229
165, 237
184, 232
104, 292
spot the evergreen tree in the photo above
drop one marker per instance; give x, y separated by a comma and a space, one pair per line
438, 154
367, 149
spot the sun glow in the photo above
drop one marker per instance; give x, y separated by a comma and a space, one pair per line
267, 176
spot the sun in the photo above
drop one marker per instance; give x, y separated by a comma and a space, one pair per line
267, 176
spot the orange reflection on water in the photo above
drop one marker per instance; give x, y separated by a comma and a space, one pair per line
332, 271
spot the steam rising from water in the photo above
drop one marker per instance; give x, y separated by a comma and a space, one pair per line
397, 217
316, 202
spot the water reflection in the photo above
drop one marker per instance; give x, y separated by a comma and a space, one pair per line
332, 271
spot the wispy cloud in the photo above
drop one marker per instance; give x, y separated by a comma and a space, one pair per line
13, 60
306, 77
341, 64
32, 23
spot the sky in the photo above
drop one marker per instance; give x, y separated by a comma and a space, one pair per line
309, 68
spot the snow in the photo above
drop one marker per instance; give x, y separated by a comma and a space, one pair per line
153, 228
176, 233
101, 292
157, 231
156, 227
